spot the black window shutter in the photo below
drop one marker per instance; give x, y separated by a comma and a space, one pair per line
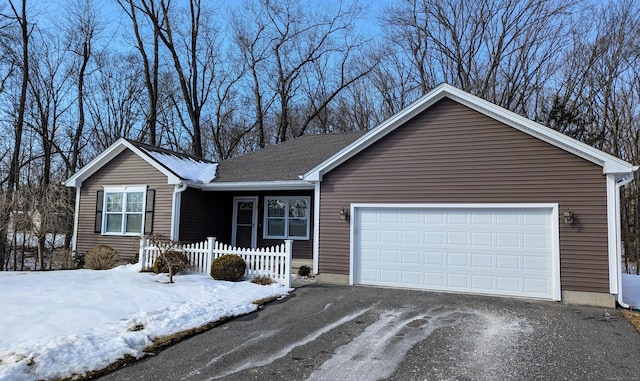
148, 218
99, 202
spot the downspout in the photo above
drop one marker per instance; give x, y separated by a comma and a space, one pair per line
623, 181
74, 237
175, 214
316, 226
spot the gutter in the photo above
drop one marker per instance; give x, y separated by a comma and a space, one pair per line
175, 215
623, 181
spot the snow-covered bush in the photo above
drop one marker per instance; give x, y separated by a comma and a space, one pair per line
228, 267
101, 257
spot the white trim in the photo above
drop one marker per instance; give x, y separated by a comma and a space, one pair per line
555, 249
254, 220
265, 227
613, 216
124, 189
316, 227
176, 202
609, 163
76, 216
255, 185
109, 154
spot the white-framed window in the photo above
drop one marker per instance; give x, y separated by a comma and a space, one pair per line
286, 217
123, 211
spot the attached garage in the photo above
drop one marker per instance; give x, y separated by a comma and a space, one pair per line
456, 194
507, 249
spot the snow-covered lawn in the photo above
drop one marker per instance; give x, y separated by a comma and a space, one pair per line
60, 323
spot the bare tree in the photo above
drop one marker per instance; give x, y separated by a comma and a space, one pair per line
192, 50
82, 27
113, 105
299, 59
170, 259
150, 61
501, 50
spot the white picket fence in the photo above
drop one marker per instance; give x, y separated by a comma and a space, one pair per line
274, 261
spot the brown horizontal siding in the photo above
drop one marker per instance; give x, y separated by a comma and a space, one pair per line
125, 169
452, 154
205, 214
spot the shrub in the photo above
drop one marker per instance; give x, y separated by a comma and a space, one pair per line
179, 262
228, 267
304, 270
262, 280
62, 259
101, 257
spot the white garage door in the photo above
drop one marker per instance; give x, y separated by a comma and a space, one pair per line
487, 250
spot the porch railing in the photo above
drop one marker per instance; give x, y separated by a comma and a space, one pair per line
274, 261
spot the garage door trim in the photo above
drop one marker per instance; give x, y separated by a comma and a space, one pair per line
552, 207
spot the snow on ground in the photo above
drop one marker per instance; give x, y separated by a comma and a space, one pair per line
631, 290
60, 323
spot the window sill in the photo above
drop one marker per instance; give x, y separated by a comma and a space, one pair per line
291, 238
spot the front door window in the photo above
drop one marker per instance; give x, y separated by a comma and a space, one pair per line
245, 216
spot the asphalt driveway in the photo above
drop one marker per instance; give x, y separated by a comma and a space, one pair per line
334, 333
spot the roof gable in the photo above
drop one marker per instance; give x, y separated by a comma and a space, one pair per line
177, 167
609, 163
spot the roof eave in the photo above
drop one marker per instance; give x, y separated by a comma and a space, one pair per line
255, 185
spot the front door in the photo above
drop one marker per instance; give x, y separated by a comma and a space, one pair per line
245, 218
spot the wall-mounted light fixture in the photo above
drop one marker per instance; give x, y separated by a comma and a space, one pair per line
345, 214
568, 216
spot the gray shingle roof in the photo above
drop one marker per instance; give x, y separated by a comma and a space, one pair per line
285, 161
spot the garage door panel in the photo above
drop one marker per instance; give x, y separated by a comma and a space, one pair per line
411, 237
457, 238
390, 276
482, 261
508, 218
483, 282
434, 280
491, 251
457, 259
412, 278
458, 281
369, 235
389, 236
479, 219
531, 263
434, 238
457, 217
434, 258
508, 284
411, 257
389, 257
508, 262
535, 241
485, 239
508, 240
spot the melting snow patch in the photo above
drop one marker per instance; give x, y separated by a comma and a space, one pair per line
268, 359
378, 351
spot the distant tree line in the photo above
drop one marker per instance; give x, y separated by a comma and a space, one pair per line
219, 79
